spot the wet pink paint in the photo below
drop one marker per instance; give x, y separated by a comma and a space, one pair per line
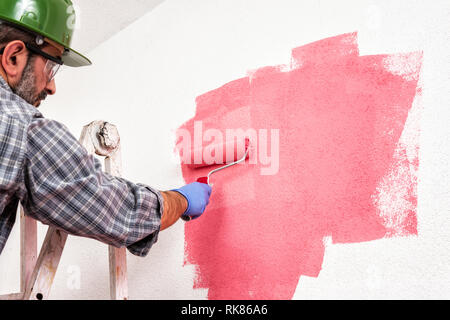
340, 117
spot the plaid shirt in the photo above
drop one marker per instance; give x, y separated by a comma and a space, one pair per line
58, 183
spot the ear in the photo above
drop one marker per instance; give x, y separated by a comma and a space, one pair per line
14, 60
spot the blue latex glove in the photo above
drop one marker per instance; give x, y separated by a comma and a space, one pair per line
197, 195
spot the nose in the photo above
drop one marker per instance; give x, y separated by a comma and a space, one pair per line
51, 87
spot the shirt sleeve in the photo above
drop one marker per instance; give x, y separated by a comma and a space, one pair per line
66, 188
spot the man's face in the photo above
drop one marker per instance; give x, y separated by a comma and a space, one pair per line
34, 84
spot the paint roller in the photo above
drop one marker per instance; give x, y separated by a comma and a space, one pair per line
229, 154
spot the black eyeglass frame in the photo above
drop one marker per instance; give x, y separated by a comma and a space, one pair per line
38, 51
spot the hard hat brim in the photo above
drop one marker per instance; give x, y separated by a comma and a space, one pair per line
72, 58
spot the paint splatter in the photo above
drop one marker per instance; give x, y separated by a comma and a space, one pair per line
346, 168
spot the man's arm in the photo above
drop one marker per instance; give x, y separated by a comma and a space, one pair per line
174, 207
65, 187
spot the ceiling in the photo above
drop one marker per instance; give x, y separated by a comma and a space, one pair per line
101, 19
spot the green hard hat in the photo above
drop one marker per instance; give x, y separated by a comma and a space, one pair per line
53, 19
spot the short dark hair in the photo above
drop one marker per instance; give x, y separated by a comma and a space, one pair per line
10, 33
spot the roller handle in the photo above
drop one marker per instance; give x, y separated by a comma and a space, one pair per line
201, 180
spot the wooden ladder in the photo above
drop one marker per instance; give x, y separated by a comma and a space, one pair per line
37, 272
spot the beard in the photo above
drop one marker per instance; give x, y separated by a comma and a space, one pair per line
26, 87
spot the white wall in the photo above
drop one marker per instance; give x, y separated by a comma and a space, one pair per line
145, 80
112, 16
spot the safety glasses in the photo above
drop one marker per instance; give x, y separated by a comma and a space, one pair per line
51, 67
53, 64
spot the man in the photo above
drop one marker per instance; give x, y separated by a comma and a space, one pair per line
44, 167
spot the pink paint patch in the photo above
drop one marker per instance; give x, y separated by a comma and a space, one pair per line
341, 117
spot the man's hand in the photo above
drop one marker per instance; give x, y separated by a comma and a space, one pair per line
190, 200
197, 195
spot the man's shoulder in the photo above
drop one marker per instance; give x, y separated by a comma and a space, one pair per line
16, 116
14, 107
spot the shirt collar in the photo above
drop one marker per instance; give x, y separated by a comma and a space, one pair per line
4, 84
